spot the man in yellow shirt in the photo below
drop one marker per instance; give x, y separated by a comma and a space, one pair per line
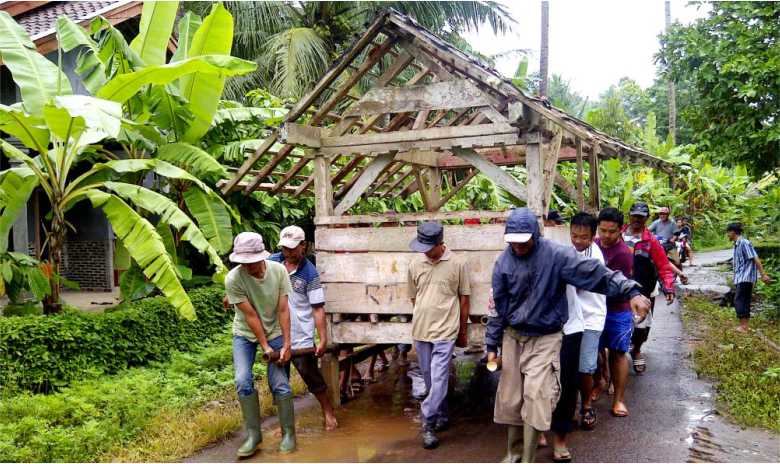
438, 285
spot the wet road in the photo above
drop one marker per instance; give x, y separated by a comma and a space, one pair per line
672, 418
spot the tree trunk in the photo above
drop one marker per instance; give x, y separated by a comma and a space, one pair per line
671, 93
545, 50
57, 234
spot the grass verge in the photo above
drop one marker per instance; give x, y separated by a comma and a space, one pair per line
162, 412
745, 369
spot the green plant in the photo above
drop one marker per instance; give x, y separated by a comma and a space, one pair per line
42, 353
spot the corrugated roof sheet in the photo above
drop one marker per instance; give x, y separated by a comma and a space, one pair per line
41, 21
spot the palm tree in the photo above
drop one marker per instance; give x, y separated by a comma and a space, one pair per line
544, 57
295, 42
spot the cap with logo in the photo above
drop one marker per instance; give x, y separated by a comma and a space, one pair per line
639, 209
429, 234
291, 236
248, 247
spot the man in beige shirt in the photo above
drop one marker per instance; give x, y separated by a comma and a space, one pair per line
438, 284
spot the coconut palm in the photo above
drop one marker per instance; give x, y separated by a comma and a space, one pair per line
295, 42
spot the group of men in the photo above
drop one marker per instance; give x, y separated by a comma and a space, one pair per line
564, 319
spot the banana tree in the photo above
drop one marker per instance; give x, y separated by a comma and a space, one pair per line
62, 128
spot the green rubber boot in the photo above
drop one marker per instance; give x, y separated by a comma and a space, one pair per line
250, 409
287, 422
514, 444
531, 440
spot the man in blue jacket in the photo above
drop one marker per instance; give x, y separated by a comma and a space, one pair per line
529, 289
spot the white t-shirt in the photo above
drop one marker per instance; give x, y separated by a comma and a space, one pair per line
587, 310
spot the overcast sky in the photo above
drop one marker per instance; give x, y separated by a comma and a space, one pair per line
593, 43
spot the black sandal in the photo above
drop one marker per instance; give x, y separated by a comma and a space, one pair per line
588, 419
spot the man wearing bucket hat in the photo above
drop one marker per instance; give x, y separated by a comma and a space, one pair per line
438, 285
258, 289
529, 289
307, 311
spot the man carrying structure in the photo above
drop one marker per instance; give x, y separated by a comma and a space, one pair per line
307, 310
747, 265
650, 266
529, 289
258, 291
438, 285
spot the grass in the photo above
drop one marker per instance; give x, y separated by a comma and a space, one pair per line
745, 369
162, 412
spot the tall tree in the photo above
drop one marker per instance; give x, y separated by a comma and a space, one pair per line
544, 54
731, 58
670, 83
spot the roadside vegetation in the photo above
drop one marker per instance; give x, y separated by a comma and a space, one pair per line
744, 368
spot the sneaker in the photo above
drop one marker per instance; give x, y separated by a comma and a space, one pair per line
441, 425
429, 439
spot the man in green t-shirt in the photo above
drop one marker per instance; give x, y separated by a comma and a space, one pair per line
257, 289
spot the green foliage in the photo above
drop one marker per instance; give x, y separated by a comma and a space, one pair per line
731, 59
770, 293
88, 418
20, 273
740, 364
44, 353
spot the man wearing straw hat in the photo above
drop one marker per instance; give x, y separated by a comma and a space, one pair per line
257, 289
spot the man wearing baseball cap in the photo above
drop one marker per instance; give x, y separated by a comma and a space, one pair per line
529, 290
307, 310
439, 287
258, 290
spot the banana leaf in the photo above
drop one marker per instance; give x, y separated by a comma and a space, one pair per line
193, 160
16, 186
146, 247
188, 24
157, 19
89, 65
213, 218
26, 128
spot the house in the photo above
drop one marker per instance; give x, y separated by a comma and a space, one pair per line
88, 253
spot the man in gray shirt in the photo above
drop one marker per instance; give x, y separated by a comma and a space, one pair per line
663, 226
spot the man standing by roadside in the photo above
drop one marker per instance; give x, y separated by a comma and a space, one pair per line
747, 265
307, 310
619, 323
258, 291
529, 290
438, 285
650, 266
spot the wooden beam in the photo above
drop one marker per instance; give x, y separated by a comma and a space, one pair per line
409, 217
429, 182
496, 174
593, 179
397, 182
457, 187
247, 166
534, 165
300, 134
323, 189
420, 157
580, 187
436, 96
367, 177
548, 167
566, 186
387, 175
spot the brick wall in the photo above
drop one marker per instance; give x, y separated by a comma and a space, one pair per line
87, 262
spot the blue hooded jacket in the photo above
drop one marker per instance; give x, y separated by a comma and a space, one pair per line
530, 291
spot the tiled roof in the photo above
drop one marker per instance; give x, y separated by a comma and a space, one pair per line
41, 21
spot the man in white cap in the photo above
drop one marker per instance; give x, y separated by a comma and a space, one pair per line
307, 310
258, 291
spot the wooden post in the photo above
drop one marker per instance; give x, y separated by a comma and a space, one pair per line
330, 372
593, 178
550, 161
323, 189
534, 163
429, 180
580, 187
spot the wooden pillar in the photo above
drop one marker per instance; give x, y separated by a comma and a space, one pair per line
323, 189
534, 165
429, 181
550, 161
580, 187
593, 180
330, 372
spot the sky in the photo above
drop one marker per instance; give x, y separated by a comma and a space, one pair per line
593, 43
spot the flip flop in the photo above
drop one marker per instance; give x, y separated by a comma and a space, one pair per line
616, 413
640, 365
561, 455
588, 419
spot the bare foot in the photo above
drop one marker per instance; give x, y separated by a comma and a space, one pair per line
619, 409
330, 423
597, 390
742, 329
542, 441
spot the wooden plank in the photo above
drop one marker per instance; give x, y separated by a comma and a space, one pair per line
493, 115
548, 167
323, 189
483, 237
593, 179
482, 141
432, 133
457, 187
397, 182
388, 174
436, 96
420, 157
388, 333
367, 177
429, 180
391, 216
580, 188
387, 298
534, 163
493, 172
300, 134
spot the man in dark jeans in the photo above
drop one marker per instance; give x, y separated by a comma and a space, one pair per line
747, 265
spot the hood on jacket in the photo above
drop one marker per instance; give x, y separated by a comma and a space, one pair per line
521, 222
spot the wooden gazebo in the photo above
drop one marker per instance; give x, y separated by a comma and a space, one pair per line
403, 111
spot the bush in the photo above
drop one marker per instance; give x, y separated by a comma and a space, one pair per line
41, 353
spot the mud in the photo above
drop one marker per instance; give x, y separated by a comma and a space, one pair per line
673, 418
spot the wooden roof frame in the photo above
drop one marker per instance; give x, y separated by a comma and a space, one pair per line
450, 113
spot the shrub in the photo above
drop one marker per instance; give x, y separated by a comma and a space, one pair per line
40, 353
